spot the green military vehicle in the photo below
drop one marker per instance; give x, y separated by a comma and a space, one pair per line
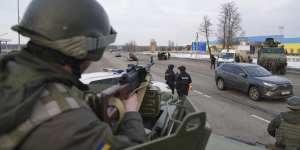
170, 122
272, 57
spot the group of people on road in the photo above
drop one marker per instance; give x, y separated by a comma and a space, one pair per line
181, 81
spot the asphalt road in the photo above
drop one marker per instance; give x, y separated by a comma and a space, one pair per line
229, 112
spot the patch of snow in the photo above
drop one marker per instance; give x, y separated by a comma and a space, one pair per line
293, 61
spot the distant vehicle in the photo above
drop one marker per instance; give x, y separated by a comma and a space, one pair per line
244, 54
272, 57
226, 56
163, 55
132, 57
254, 80
118, 55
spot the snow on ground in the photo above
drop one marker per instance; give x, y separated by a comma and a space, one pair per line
293, 61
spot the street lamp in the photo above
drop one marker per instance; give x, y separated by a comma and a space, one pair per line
19, 46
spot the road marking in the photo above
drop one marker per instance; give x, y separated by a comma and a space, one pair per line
198, 92
260, 118
207, 96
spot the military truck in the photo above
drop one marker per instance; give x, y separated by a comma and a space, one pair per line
170, 122
272, 56
163, 55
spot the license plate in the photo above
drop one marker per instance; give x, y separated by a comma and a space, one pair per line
285, 93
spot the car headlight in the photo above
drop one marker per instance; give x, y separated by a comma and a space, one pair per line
270, 85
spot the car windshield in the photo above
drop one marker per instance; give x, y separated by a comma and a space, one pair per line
273, 50
227, 55
257, 71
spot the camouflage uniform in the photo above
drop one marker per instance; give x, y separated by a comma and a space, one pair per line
42, 108
41, 104
286, 129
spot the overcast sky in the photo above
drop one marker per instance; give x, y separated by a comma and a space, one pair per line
177, 20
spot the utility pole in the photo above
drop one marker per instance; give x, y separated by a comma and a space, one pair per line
19, 38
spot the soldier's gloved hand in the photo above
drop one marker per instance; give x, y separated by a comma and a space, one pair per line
131, 104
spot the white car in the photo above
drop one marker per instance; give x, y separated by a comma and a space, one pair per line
111, 76
226, 56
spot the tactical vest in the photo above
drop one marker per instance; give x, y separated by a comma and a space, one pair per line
55, 100
288, 135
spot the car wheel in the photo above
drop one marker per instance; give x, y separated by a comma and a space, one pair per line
254, 93
220, 84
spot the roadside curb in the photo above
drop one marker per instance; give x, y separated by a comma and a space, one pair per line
293, 70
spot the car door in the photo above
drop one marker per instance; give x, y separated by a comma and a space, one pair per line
239, 82
228, 75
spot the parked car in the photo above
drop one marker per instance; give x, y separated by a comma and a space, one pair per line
118, 55
226, 56
254, 80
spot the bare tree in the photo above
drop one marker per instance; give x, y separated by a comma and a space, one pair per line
205, 28
171, 45
229, 24
130, 46
153, 45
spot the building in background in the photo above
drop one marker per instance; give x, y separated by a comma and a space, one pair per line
3, 44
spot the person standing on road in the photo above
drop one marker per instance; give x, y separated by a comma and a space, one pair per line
183, 82
42, 103
286, 126
170, 77
212, 62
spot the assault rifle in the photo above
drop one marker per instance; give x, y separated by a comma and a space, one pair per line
129, 81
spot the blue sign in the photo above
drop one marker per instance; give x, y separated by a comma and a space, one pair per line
199, 46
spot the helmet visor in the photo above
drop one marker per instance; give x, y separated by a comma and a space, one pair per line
80, 47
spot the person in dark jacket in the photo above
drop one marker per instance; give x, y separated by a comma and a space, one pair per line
42, 104
285, 127
212, 62
183, 82
170, 77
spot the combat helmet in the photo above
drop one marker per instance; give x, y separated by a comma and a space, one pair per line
182, 68
294, 103
76, 28
171, 66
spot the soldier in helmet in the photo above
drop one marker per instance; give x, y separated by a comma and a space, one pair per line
286, 126
183, 82
170, 77
41, 105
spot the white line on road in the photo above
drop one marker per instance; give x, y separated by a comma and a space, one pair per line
260, 118
207, 96
198, 92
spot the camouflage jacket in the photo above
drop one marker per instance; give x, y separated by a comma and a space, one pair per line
41, 107
286, 128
